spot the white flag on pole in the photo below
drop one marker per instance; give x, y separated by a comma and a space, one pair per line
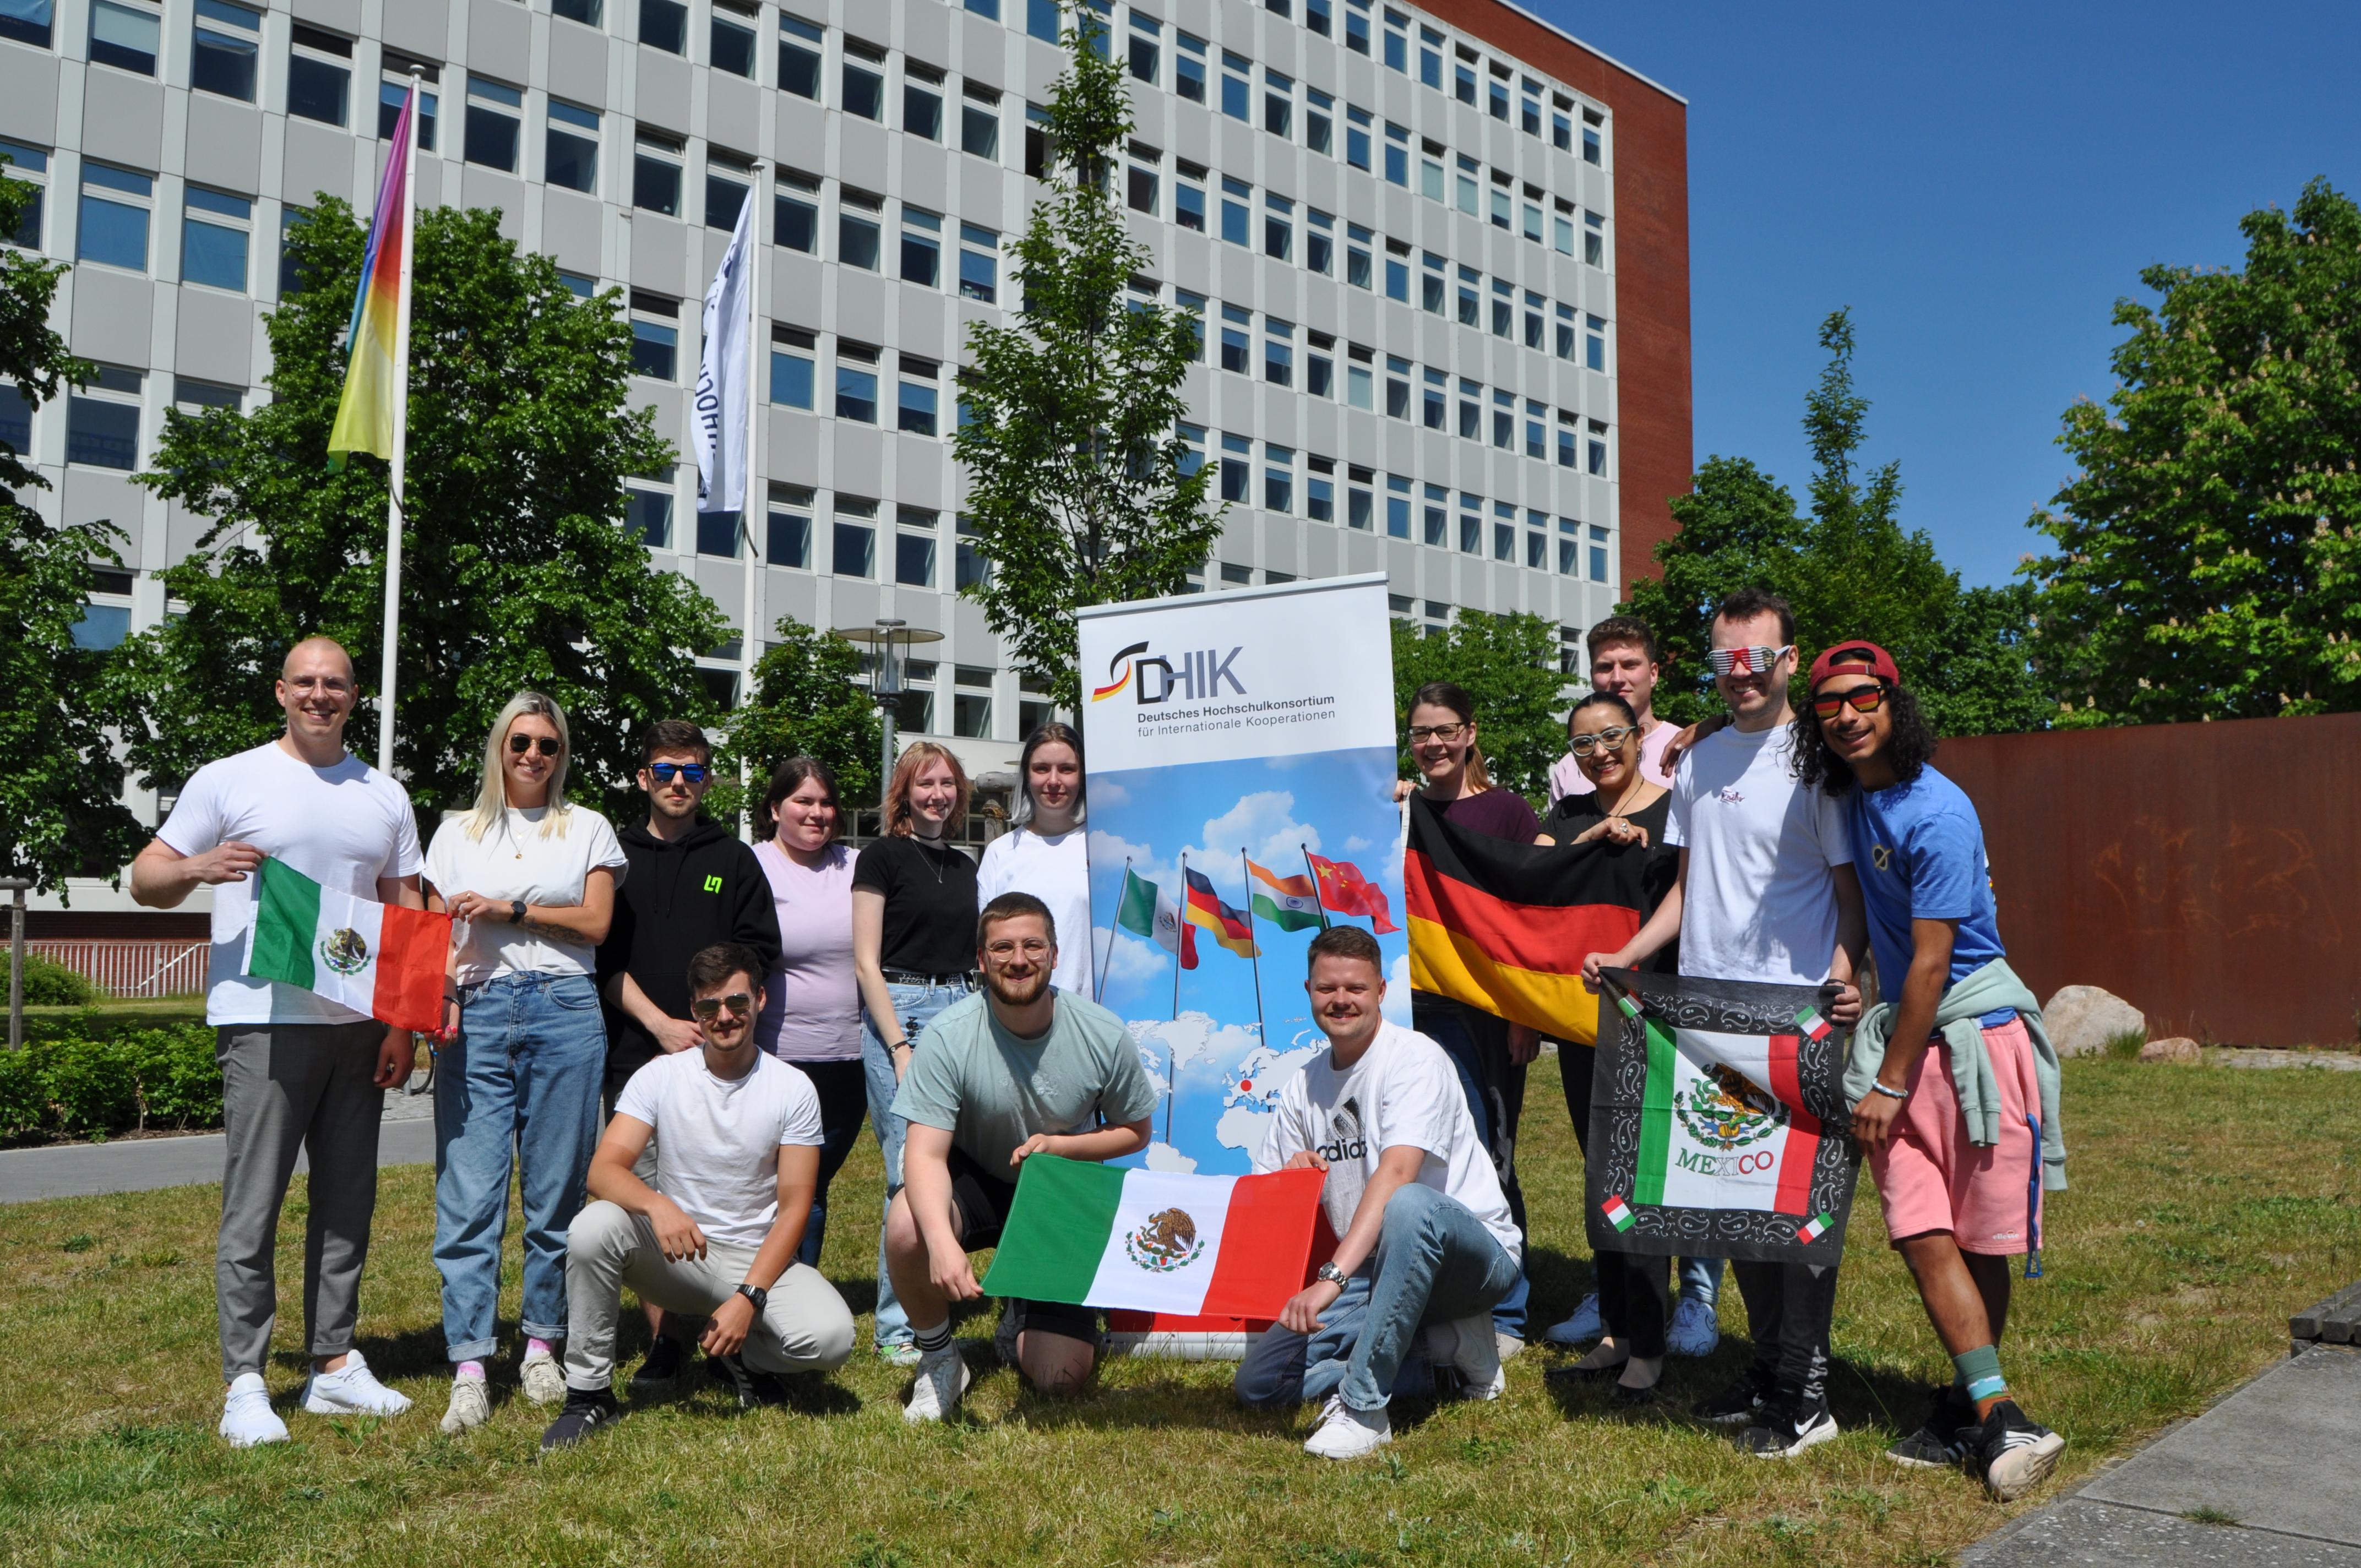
722, 390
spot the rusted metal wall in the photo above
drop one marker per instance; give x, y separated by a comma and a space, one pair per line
2208, 874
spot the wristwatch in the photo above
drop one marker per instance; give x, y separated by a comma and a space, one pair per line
516, 911
756, 1294
1331, 1273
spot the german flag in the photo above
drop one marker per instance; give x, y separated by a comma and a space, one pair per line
1205, 908
1504, 927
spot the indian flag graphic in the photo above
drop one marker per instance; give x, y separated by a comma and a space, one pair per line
1617, 1212
1290, 903
1814, 1229
1722, 1125
378, 959
1099, 1236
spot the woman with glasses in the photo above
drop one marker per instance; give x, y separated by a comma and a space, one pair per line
811, 1010
1043, 852
914, 952
1490, 1053
529, 880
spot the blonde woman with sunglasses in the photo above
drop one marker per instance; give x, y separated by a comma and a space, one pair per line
529, 880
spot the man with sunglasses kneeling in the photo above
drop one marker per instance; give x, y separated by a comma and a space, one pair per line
738, 1136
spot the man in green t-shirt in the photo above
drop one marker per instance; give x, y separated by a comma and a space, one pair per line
1022, 1069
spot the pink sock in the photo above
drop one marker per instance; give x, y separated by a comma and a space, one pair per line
539, 1347
474, 1369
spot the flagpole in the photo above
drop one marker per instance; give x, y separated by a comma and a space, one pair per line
1180, 934
1312, 872
746, 638
393, 499
1254, 948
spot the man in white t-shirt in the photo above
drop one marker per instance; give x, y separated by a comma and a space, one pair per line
1623, 660
299, 1072
1427, 1246
738, 1136
1766, 892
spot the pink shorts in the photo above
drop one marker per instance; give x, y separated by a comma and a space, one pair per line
1930, 1178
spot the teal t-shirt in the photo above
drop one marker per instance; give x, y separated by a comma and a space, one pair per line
992, 1088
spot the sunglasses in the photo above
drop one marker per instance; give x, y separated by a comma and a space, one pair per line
1754, 661
1864, 699
547, 745
1446, 733
1611, 738
694, 773
738, 1004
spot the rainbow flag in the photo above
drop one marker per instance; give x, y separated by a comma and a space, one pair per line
373, 370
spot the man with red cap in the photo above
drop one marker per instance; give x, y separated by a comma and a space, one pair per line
1953, 1083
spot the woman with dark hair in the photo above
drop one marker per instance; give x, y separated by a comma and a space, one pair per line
1044, 853
913, 951
1490, 1053
811, 1002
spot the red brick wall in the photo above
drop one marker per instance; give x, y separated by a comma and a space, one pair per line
1648, 153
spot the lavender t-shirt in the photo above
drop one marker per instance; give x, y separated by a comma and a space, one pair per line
811, 1007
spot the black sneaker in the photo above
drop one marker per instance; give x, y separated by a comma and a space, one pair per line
1780, 1432
752, 1386
1939, 1443
667, 1359
2010, 1453
587, 1409
1736, 1404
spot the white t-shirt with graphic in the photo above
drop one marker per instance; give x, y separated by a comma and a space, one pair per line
1403, 1091
1760, 904
343, 826
523, 856
1055, 868
717, 1139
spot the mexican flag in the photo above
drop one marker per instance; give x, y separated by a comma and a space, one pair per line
378, 959
1147, 910
1099, 1236
1290, 903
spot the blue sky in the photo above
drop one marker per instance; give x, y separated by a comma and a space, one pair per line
1980, 185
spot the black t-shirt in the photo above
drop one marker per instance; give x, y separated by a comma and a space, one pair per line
929, 904
1578, 814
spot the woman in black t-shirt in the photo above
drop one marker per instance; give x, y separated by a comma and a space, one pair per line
914, 955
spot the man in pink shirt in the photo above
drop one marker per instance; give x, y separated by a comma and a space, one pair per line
1623, 660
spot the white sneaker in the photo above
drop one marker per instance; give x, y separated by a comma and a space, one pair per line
943, 1377
471, 1405
1507, 1347
1478, 1355
1347, 1433
247, 1416
354, 1391
544, 1380
1579, 1330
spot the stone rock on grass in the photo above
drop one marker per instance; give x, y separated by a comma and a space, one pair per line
2179, 1049
2081, 1019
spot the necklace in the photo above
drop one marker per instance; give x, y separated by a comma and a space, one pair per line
934, 864
1639, 782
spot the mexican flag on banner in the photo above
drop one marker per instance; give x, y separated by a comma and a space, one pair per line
378, 959
1718, 1108
1099, 1236
1147, 910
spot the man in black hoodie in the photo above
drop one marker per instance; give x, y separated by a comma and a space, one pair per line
692, 884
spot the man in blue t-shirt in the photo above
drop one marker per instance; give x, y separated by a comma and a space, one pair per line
1954, 1142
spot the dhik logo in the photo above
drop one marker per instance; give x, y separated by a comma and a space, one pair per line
1153, 678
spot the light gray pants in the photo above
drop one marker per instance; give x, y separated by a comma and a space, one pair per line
289, 1088
805, 1327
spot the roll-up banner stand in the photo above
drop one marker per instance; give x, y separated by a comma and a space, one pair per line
1241, 759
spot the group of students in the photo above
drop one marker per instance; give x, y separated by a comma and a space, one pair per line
735, 1012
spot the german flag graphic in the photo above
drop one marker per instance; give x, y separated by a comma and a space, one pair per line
1504, 927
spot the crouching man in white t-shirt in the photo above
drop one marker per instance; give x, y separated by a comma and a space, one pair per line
737, 1138
1427, 1246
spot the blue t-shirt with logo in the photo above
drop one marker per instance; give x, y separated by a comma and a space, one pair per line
1919, 853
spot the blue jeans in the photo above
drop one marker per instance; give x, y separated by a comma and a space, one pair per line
1494, 1091
843, 1091
520, 1083
1284, 1368
1701, 1279
916, 1006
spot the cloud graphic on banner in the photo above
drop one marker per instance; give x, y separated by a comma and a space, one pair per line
1135, 959
1264, 823
1109, 794
1395, 1009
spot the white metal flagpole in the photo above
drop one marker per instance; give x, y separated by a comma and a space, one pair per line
394, 497
749, 645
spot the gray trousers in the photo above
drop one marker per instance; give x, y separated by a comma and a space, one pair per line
287, 1088
805, 1326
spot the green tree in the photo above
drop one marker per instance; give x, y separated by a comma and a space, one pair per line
60, 781
517, 570
1508, 664
804, 704
1080, 489
2207, 563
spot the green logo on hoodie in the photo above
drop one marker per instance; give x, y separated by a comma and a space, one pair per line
713, 885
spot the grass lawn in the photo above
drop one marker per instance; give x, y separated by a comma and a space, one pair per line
2207, 1206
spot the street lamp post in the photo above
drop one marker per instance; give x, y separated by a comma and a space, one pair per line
890, 641
15, 887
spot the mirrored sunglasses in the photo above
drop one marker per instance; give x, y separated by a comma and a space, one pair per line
547, 745
694, 773
738, 1004
1864, 699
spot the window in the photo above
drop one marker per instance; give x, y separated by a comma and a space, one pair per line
1236, 321
1041, 20
114, 216
856, 382
795, 212
916, 405
571, 156
126, 36
1037, 141
1569, 564
1566, 331
1501, 201
790, 530
1361, 380
1397, 506
579, 285
1430, 57
1529, 117
1397, 387
1192, 442
800, 44
1237, 454
492, 124
1320, 123
1593, 240
1320, 365
978, 264
1560, 127
1562, 229
864, 85
1591, 148
103, 420
1598, 553
980, 124
1430, 284
656, 335
1504, 531
319, 75
1463, 81
1188, 67
971, 566
914, 547
1360, 501
1498, 101
1192, 307
1466, 186
1141, 189
1430, 175
1319, 490
1471, 409
25, 161
215, 233
972, 711
1434, 401
1357, 241
1146, 45
728, 185
1536, 430
1188, 197
656, 175
1436, 517
1356, 26
1278, 478
590, 13
1536, 324
922, 247
1237, 94
1397, 42
1397, 155
922, 103
393, 91
1278, 102
1471, 524
858, 228
1357, 124
27, 22
664, 24
1316, 15
647, 514
792, 351
1533, 223
223, 48
1233, 573
1319, 240
716, 534
1593, 343
1565, 440
1471, 299
1237, 220
290, 275
731, 44
1504, 421
853, 550
1278, 227
1536, 544
1504, 309
1279, 352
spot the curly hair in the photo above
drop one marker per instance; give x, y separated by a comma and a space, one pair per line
1817, 766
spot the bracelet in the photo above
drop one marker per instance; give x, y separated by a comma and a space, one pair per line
898, 1046
1889, 1094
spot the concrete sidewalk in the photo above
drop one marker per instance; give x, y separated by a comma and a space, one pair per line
140, 1165
2278, 1457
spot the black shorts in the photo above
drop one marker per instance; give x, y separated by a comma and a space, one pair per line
981, 1202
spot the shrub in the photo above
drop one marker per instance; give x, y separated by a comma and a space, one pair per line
68, 1084
49, 984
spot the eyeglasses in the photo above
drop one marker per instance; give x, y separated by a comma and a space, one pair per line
1613, 738
1446, 733
692, 773
547, 745
738, 1004
1009, 947
1754, 661
1864, 699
